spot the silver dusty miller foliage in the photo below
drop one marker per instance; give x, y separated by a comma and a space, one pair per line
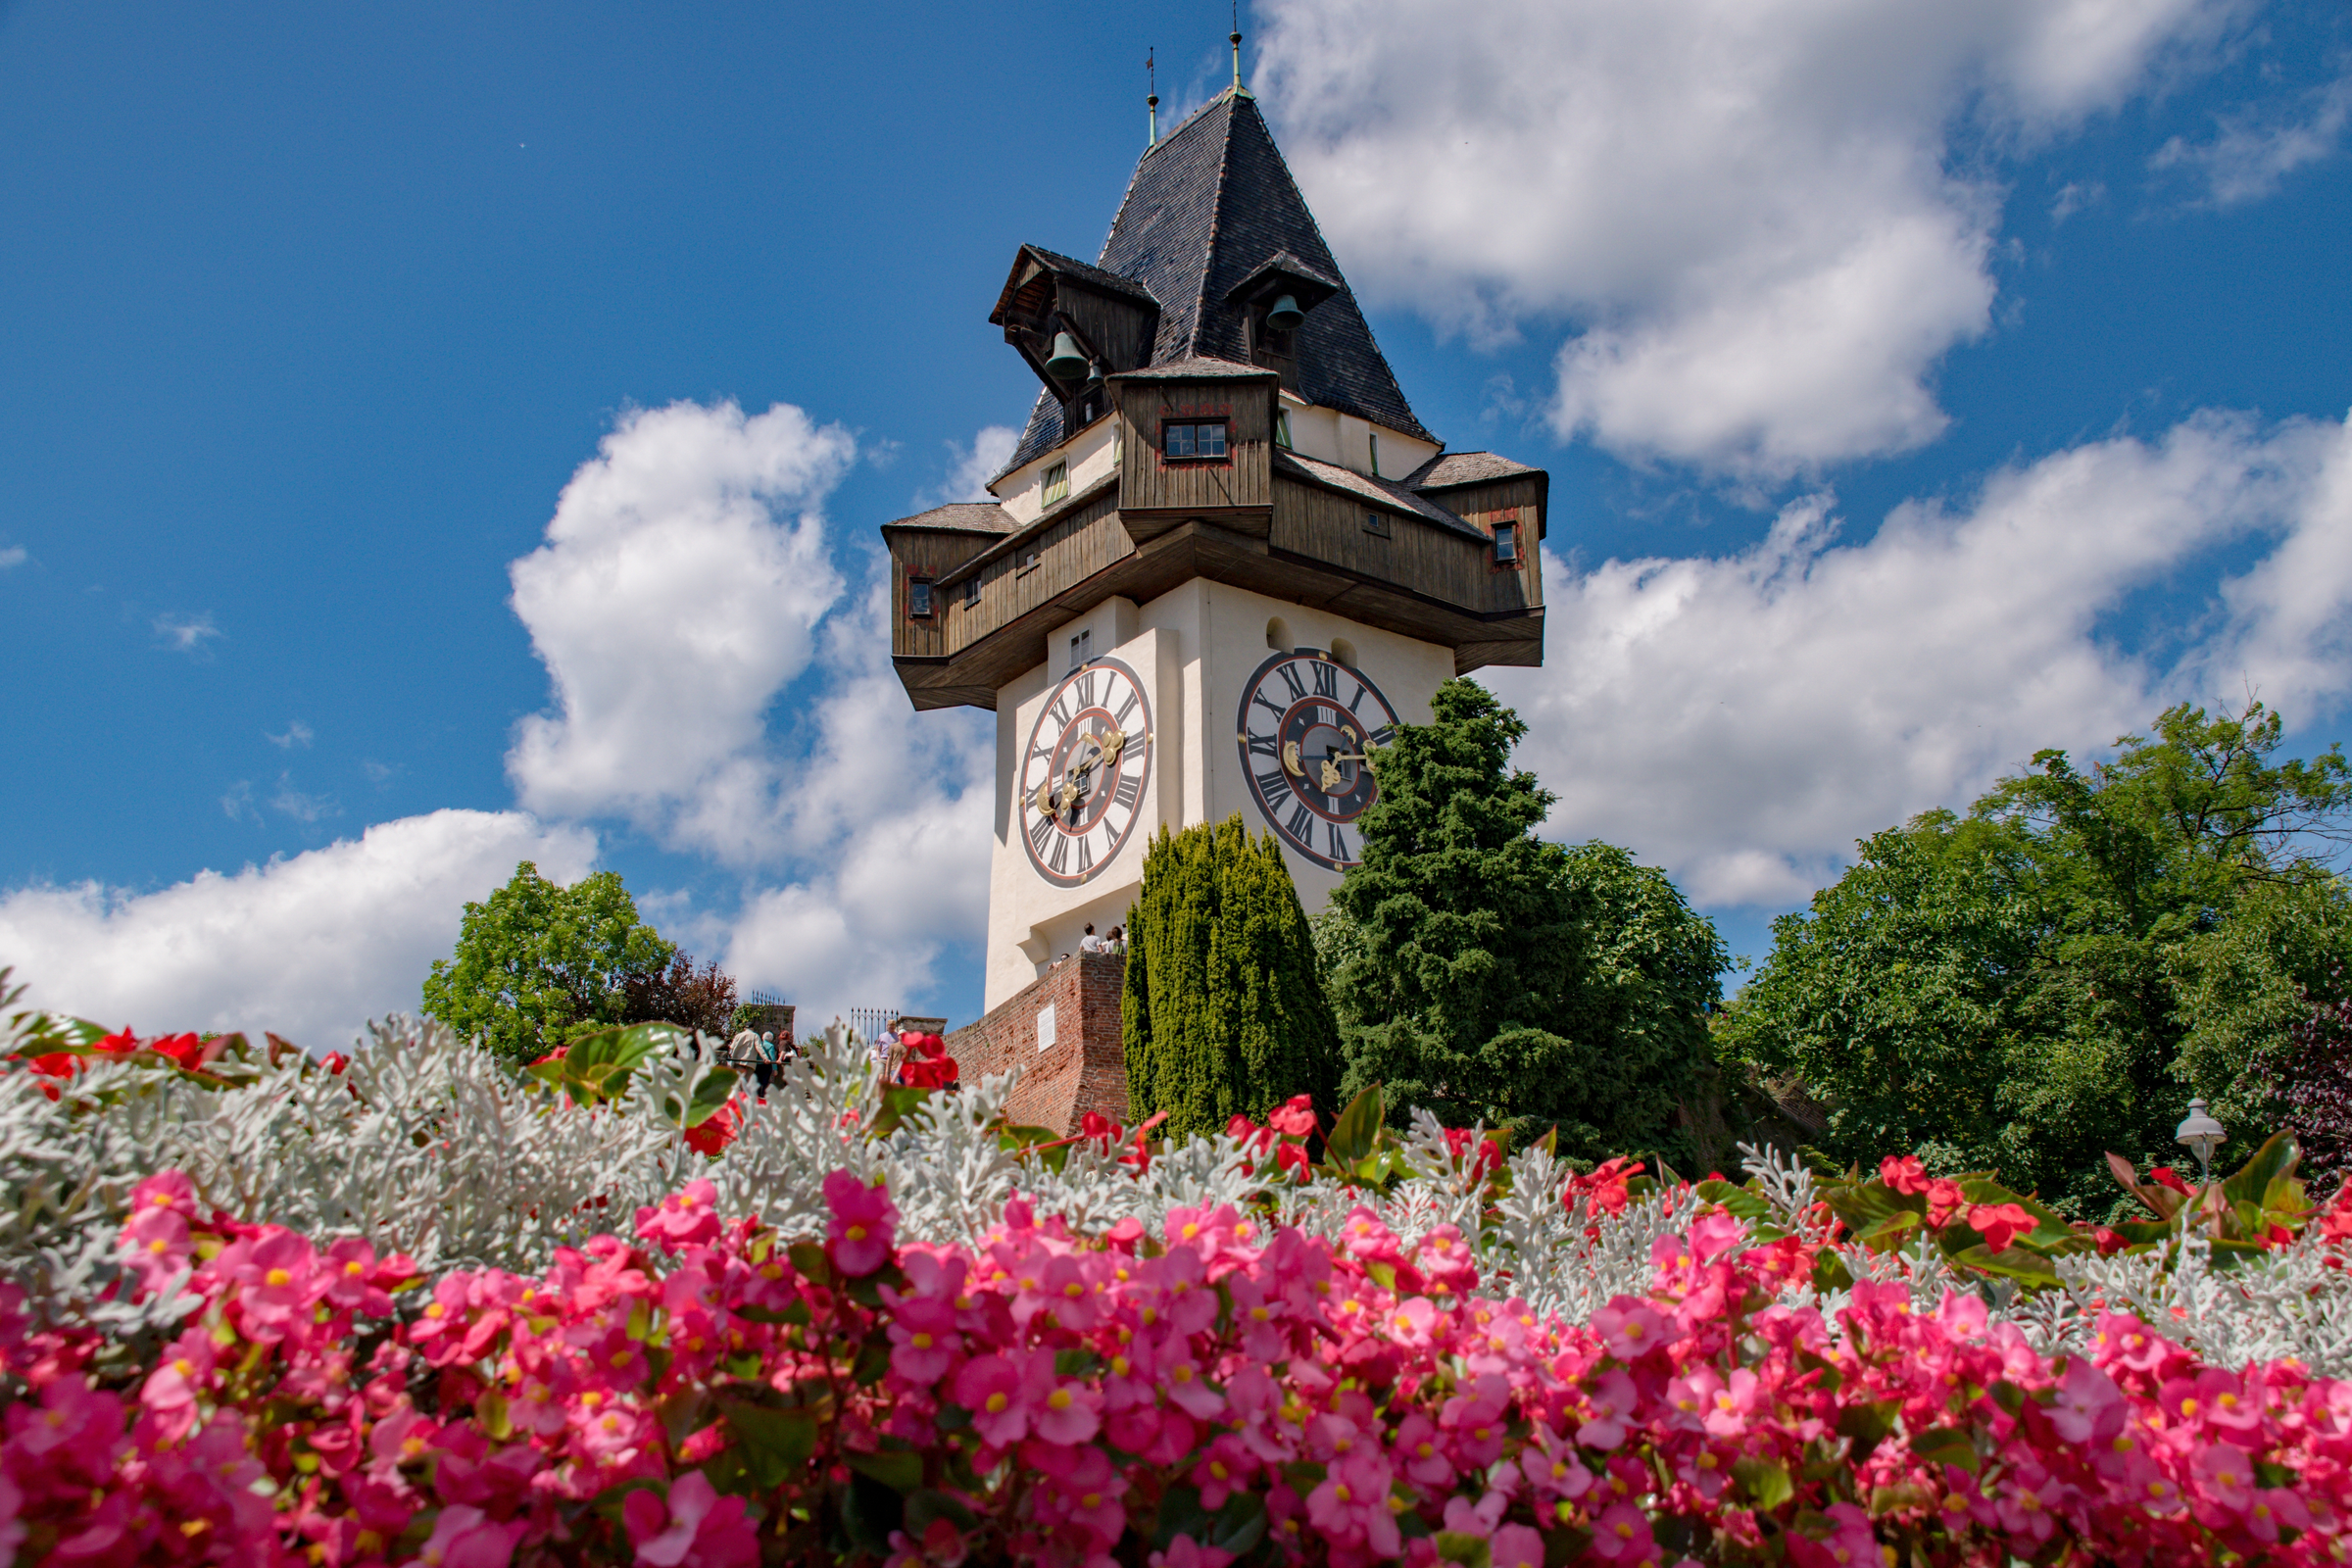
427, 1145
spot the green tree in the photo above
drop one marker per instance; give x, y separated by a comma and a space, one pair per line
1221, 1011
537, 964
2053, 975
1483, 973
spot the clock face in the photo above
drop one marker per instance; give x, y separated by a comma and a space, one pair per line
1083, 771
1305, 721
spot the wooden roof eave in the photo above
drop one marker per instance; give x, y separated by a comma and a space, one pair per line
1540, 478
1289, 467
1013, 541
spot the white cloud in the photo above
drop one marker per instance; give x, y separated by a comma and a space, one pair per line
677, 594
1742, 720
889, 817
297, 734
2251, 151
1749, 205
971, 466
13, 556
301, 807
309, 946
186, 634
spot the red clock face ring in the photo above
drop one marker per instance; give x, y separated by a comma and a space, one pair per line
1305, 725
1084, 772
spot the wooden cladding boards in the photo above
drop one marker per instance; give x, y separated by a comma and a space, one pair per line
1118, 329
925, 555
1325, 526
1242, 480
1067, 554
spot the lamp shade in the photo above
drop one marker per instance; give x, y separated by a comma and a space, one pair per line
2201, 1133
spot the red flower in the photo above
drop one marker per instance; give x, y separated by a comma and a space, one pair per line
928, 1072
2166, 1176
1999, 1226
717, 1130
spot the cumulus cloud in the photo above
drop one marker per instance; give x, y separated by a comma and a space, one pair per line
13, 556
888, 816
2252, 151
297, 734
186, 634
677, 593
309, 946
1744, 720
1750, 205
970, 467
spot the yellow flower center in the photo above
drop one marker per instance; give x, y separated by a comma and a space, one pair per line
857, 1233
995, 1402
277, 1279
921, 1341
1059, 1399
436, 1310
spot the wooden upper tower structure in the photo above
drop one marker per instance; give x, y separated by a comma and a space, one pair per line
1329, 491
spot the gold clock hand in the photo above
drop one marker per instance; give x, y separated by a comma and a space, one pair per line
1290, 760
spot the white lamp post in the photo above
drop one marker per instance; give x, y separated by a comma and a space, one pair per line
2202, 1133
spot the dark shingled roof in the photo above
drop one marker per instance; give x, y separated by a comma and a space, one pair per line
1108, 282
1463, 468
1387, 492
1209, 206
961, 516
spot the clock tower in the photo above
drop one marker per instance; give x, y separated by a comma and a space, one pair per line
1224, 558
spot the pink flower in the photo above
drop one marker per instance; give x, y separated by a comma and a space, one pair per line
1849, 1542
864, 1227
996, 1391
277, 1282
1904, 1175
697, 1525
1613, 1398
924, 1343
465, 1538
687, 1217
1622, 1535
1415, 1449
1294, 1117
349, 1278
1515, 1546
1186, 1552
1629, 1329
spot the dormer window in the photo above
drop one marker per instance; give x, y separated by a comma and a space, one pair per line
1057, 483
1506, 544
1193, 439
971, 589
918, 598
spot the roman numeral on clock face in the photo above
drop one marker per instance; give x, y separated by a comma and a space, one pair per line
1264, 746
1086, 690
1301, 825
1327, 715
1338, 842
1125, 707
1266, 703
1383, 735
1275, 788
1130, 790
1326, 681
1086, 854
1358, 697
1039, 831
1060, 856
1290, 678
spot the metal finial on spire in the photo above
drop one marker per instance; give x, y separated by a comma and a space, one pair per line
1152, 99
1235, 37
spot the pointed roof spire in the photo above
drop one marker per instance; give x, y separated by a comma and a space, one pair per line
1210, 208
1151, 96
1235, 37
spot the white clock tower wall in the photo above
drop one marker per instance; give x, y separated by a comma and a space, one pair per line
1195, 650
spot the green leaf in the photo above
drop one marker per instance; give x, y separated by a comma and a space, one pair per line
1868, 1424
871, 1511
776, 1444
1354, 1134
901, 1472
927, 1506
1240, 1525
2275, 1159
809, 1257
1472, 1552
1830, 1272
1945, 1445
1765, 1483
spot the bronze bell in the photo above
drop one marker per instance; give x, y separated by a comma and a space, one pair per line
1285, 316
1067, 364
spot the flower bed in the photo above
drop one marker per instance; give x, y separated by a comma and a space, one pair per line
940, 1340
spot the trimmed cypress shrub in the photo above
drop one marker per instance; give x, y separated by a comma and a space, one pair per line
1222, 1011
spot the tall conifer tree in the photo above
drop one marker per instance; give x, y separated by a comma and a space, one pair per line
1222, 1011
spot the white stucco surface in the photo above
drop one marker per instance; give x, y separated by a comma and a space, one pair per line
1193, 649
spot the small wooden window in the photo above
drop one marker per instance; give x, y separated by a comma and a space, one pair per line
1377, 522
1057, 483
918, 598
1282, 428
1082, 649
1506, 543
971, 589
1196, 439
1028, 564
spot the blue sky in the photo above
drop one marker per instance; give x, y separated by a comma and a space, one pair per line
1922, 386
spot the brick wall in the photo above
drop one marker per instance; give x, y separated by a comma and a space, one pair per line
1084, 1069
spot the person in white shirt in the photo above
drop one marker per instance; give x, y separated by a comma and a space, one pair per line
1090, 943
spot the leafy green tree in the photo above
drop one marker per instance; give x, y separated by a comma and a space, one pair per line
1483, 973
1221, 1011
2053, 975
537, 964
